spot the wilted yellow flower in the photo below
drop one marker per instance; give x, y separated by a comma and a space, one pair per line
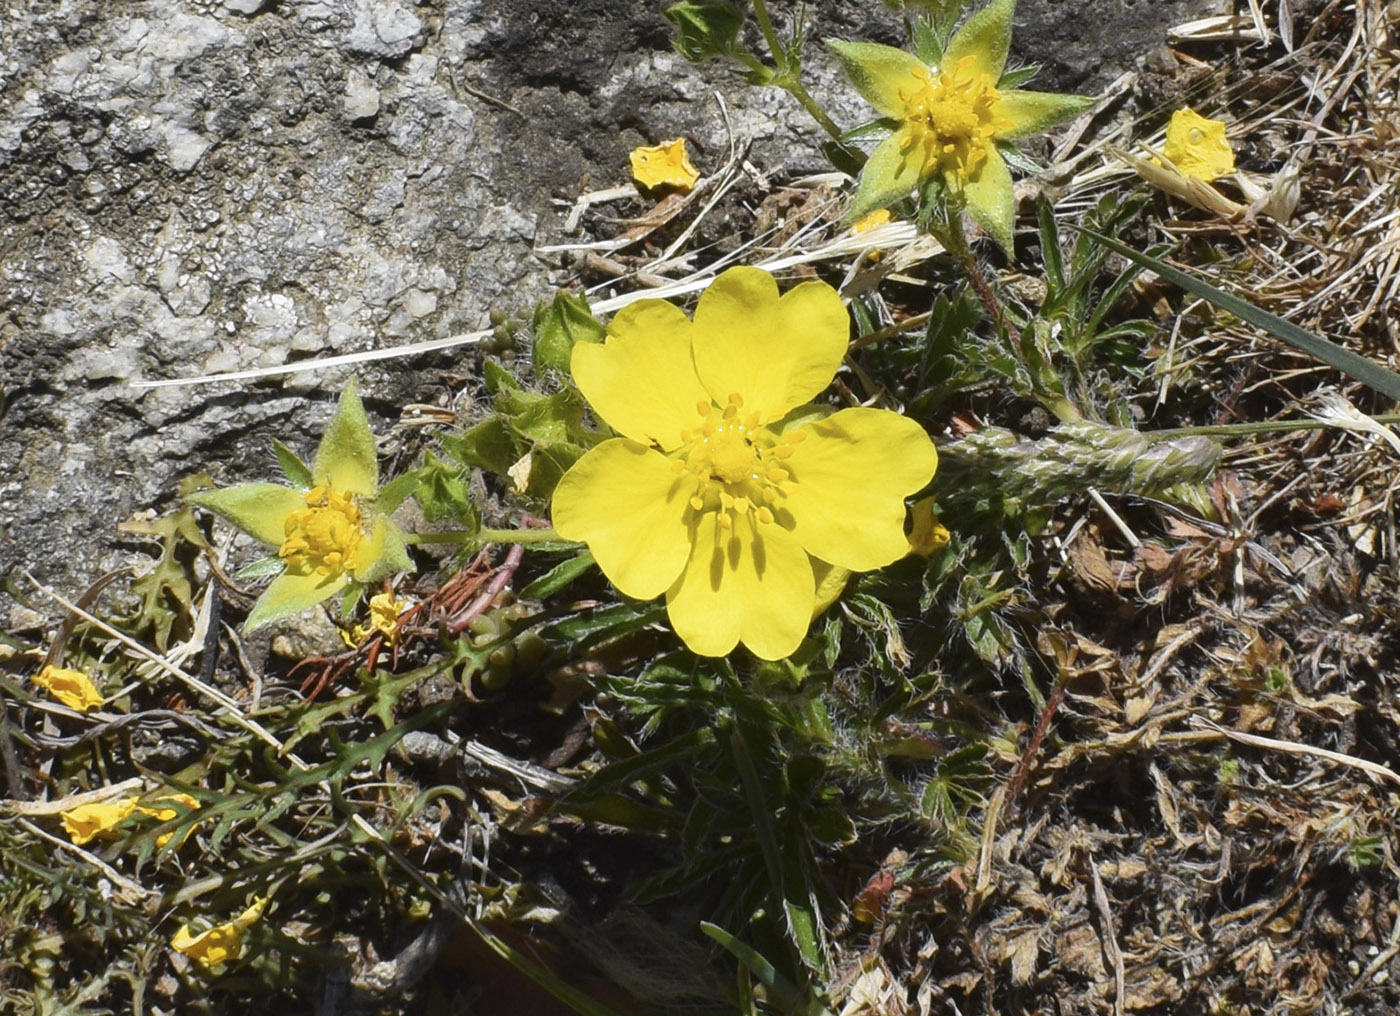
927, 534
664, 165
879, 217
88, 821
1197, 146
725, 492
222, 943
71, 687
185, 801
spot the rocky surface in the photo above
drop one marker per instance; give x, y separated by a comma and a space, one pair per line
195, 187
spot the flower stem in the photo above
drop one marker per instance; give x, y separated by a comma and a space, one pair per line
1246, 429
786, 77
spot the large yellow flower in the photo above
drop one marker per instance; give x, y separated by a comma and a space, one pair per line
725, 490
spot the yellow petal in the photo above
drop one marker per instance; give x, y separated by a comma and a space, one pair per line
775, 353
1197, 146
185, 802
220, 944
664, 165
751, 584
87, 821
629, 505
641, 379
71, 687
851, 476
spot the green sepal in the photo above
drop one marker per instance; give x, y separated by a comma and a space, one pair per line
986, 37
878, 72
927, 45
291, 593
345, 459
991, 201
383, 555
889, 175
297, 472
259, 509
558, 326
1018, 77
1034, 112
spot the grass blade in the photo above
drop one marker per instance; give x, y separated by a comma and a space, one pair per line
1368, 372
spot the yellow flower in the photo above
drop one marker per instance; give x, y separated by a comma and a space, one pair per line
951, 119
327, 528
222, 943
384, 613
71, 687
89, 821
1197, 146
664, 165
184, 801
725, 491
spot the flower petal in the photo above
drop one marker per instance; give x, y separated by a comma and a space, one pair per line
629, 505
345, 459
851, 476
892, 172
1034, 112
290, 593
751, 584
986, 37
776, 353
641, 379
879, 73
259, 509
991, 200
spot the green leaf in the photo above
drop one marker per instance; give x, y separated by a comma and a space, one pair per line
346, 461
705, 28
558, 577
441, 491
259, 509
297, 472
1368, 372
558, 326
262, 568
785, 995
1018, 77
489, 445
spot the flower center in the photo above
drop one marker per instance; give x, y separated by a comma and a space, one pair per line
951, 115
737, 462
321, 537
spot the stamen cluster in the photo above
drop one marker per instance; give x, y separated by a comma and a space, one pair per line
951, 113
738, 462
322, 537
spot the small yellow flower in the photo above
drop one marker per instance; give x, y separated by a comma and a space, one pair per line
664, 165
327, 528
384, 613
71, 687
221, 944
184, 801
90, 821
951, 120
1197, 146
927, 534
725, 492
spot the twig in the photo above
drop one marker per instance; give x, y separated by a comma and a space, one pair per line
1110, 939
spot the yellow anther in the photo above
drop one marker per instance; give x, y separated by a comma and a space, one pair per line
742, 505
764, 514
725, 522
783, 451
703, 408
698, 503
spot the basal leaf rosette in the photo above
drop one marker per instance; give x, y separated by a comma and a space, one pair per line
325, 527
725, 491
951, 120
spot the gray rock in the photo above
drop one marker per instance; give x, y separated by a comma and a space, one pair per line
199, 186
